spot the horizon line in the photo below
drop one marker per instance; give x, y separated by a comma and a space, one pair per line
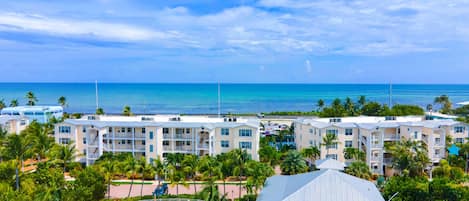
216, 82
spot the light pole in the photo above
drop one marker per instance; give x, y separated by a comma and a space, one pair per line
395, 194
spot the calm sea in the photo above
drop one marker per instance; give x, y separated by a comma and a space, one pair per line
235, 98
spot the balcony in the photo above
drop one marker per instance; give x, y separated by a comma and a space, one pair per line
167, 148
376, 145
182, 136
203, 146
92, 156
167, 136
391, 138
375, 158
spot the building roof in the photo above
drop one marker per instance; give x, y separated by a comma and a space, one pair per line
163, 121
33, 109
329, 164
463, 103
322, 185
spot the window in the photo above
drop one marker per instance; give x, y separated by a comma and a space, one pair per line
129, 130
151, 148
165, 130
151, 135
333, 146
311, 131
331, 156
437, 140
143, 130
122, 142
459, 129
348, 143
188, 130
437, 152
129, 141
64, 140
225, 144
122, 130
332, 131
311, 143
143, 142
459, 140
64, 129
245, 132
225, 131
110, 129
84, 129
165, 143
348, 131
415, 134
84, 140
188, 143
22, 122
245, 145
179, 130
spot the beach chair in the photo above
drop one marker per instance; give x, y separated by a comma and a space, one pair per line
160, 190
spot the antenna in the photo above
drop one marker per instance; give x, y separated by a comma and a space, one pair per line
96, 88
219, 111
390, 94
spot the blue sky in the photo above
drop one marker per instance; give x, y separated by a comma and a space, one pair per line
287, 41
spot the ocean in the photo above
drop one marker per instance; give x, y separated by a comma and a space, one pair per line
235, 98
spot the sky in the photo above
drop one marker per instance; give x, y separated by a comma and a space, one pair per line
245, 41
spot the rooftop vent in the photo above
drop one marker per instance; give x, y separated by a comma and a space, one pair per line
147, 119
175, 119
390, 118
230, 119
335, 120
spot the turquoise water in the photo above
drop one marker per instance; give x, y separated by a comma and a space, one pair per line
235, 98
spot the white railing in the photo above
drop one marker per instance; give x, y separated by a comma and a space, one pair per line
167, 148
167, 136
92, 156
182, 136
375, 158
391, 138
387, 160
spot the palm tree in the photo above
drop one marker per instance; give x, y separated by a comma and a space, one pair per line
311, 153
362, 101
354, 153
445, 103
409, 156
127, 111
211, 171
31, 98
42, 142
62, 101
99, 111
190, 164
257, 174
176, 176
64, 154
145, 169
130, 167
349, 106
109, 167
320, 104
159, 168
359, 169
238, 159
293, 163
17, 148
2, 104
226, 168
329, 140
14, 103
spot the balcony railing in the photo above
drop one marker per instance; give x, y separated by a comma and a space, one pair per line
182, 136
92, 156
391, 138
167, 136
375, 158
167, 148
203, 146
378, 145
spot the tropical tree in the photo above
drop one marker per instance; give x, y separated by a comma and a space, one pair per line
257, 174
39, 136
349, 106
269, 155
17, 148
361, 101
159, 168
226, 168
354, 153
293, 163
146, 170
445, 103
109, 168
127, 111
2, 104
130, 168
210, 169
64, 154
359, 169
190, 164
409, 157
320, 105
31, 98
176, 177
14, 103
99, 111
311, 153
238, 159
329, 140
62, 101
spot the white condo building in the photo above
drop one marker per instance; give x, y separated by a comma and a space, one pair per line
13, 124
369, 134
155, 136
41, 114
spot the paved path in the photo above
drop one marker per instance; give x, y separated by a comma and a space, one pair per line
121, 191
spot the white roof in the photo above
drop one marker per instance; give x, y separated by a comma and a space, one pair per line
164, 120
329, 164
463, 103
6, 118
322, 185
32, 109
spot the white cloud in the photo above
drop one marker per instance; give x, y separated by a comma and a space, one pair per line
112, 31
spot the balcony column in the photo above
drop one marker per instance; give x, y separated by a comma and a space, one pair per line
100, 143
113, 140
133, 141
381, 153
